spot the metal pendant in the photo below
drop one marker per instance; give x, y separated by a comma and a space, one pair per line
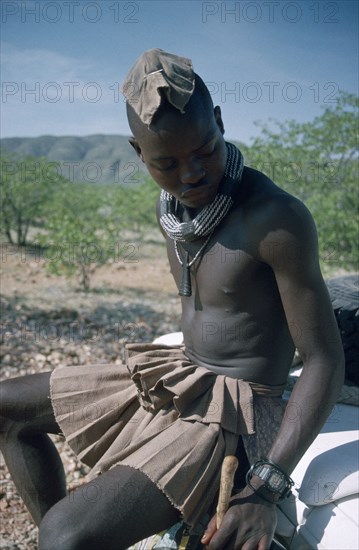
186, 287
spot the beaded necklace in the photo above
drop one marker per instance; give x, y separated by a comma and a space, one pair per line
206, 220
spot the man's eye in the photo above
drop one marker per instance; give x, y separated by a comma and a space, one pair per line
164, 167
207, 153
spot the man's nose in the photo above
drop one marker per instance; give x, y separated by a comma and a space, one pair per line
192, 172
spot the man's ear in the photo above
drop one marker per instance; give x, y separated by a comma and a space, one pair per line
218, 117
132, 141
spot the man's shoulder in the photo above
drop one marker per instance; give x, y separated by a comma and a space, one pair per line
257, 186
270, 216
265, 201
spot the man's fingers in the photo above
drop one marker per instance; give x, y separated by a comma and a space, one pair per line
221, 537
265, 542
253, 543
210, 531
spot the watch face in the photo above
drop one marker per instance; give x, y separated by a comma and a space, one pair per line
276, 481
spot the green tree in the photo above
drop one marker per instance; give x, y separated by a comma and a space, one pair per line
318, 162
26, 186
77, 235
136, 205
87, 223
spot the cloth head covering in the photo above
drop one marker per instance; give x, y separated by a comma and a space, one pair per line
157, 74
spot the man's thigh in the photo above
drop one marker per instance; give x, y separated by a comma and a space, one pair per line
117, 509
26, 400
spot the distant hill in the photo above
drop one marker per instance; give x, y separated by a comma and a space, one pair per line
96, 158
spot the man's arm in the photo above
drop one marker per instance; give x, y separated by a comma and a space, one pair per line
288, 244
292, 252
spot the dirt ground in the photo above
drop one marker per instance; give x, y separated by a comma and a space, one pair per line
48, 321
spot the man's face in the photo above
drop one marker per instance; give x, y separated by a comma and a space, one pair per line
186, 155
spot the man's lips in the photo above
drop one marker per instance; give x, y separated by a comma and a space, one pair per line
196, 192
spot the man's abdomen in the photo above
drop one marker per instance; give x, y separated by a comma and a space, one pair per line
240, 347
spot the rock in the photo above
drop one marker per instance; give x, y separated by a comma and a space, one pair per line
3, 504
54, 357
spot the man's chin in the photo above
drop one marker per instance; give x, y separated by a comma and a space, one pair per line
198, 201
195, 205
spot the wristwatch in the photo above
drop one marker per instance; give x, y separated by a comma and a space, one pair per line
277, 482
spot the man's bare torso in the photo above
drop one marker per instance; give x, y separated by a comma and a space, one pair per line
234, 323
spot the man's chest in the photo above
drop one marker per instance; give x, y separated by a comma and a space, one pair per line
223, 274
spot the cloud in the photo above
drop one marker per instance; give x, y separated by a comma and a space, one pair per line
48, 92
42, 65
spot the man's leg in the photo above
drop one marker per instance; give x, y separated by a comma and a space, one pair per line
112, 512
30, 455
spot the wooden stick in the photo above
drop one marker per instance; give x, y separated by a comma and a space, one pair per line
229, 467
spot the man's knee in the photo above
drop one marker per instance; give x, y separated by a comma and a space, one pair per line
13, 414
63, 528
13, 398
24, 400
59, 531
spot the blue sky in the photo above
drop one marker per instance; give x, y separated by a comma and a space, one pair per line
63, 61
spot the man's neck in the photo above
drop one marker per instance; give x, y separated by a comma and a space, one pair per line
188, 214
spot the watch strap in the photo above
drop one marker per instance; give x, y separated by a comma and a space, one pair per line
276, 482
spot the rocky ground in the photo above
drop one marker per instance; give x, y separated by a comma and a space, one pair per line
48, 321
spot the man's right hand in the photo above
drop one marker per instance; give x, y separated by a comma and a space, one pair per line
249, 524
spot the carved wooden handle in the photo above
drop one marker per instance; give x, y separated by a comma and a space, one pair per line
229, 467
